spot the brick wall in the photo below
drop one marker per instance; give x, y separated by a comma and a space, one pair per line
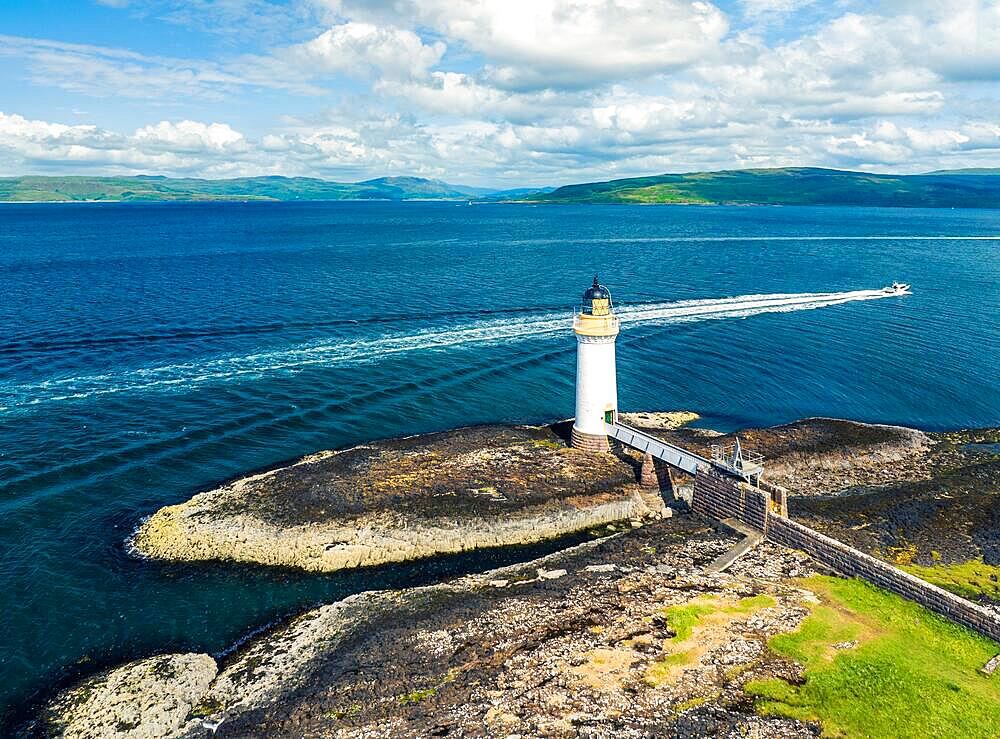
720, 498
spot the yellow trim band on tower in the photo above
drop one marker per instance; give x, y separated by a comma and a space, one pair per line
589, 325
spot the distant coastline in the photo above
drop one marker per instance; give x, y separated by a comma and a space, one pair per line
783, 186
791, 186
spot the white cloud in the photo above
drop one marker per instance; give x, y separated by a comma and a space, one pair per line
543, 92
366, 48
105, 72
189, 137
565, 43
755, 8
959, 39
604, 141
886, 142
173, 148
459, 94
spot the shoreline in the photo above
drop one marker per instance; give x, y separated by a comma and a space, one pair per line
826, 451
271, 666
720, 204
469, 564
401, 500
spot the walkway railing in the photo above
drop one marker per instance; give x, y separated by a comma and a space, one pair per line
672, 455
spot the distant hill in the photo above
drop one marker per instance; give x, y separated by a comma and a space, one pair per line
416, 187
791, 186
968, 170
156, 188
967, 188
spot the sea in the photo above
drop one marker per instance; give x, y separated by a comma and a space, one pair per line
152, 351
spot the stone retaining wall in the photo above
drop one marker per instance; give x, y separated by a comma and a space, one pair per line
722, 498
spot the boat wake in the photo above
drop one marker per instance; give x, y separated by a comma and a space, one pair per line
342, 352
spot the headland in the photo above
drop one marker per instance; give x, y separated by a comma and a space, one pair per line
636, 633
404, 499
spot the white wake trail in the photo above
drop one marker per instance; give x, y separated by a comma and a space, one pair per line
333, 353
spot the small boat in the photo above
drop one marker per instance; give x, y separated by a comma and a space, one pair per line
896, 288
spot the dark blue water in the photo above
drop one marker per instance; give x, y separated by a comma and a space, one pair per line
151, 351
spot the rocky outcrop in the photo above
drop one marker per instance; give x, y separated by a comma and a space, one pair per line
905, 495
576, 643
937, 506
659, 420
819, 456
822, 456
150, 698
401, 500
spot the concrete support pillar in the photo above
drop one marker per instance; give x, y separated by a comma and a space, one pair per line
648, 477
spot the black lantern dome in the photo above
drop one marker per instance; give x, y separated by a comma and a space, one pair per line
597, 300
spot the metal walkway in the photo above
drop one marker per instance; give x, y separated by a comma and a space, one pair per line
672, 455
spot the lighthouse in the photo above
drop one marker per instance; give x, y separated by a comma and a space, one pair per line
596, 328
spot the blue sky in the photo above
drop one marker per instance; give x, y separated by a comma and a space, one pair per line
495, 92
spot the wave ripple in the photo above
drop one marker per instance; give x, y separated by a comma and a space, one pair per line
505, 328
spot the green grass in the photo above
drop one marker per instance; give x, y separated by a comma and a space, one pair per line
968, 579
660, 194
683, 618
205, 708
548, 444
912, 674
660, 670
416, 696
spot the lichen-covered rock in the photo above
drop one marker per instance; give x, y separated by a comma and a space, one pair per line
820, 456
661, 420
906, 495
149, 698
401, 500
825, 455
573, 644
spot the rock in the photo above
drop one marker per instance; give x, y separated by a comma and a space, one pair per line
823, 455
990, 667
551, 574
561, 656
401, 500
738, 651
577, 656
148, 698
661, 421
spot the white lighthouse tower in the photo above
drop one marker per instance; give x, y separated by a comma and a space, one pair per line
596, 328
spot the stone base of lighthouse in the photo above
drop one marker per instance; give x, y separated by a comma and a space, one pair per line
590, 442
